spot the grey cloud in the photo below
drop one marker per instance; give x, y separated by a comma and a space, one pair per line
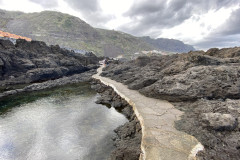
46, 3
91, 11
227, 34
159, 14
84, 5
231, 26
218, 41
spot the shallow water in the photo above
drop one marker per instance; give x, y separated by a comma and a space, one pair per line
65, 124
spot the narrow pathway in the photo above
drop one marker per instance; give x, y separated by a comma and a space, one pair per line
160, 141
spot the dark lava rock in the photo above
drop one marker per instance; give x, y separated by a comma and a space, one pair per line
182, 77
128, 141
128, 136
142, 61
224, 53
220, 122
197, 82
205, 85
28, 62
82, 77
215, 123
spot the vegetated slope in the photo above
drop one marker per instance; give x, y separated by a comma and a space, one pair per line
71, 32
170, 45
115, 43
205, 85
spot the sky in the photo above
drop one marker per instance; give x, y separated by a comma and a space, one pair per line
201, 23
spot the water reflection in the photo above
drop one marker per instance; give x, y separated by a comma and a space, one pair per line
58, 127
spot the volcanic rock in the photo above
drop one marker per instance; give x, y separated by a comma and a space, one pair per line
28, 62
220, 122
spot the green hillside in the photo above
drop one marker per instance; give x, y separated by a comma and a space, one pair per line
69, 31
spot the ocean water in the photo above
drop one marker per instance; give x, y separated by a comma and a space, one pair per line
59, 124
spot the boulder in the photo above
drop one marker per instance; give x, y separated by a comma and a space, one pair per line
219, 121
117, 103
142, 61
211, 82
6, 44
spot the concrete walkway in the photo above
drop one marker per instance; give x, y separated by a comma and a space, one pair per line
160, 140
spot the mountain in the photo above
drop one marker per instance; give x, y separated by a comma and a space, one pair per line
170, 45
71, 32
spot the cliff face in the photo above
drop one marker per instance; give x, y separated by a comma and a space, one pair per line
205, 85
170, 45
27, 62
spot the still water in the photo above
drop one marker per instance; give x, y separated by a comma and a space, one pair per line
59, 124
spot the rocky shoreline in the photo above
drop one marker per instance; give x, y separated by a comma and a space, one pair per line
128, 136
82, 77
31, 66
33, 62
205, 85
34, 66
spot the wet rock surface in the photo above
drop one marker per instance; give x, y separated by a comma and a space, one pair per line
205, 85
128, 136
82, 77
29, 62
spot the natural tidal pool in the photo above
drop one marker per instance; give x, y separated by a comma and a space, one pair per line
58, 124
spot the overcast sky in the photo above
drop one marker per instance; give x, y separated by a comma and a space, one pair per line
201, 23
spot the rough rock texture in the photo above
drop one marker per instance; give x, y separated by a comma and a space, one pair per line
182, 77
128, 136
215, 123
28, 62
220, 122
82, 77
206, 85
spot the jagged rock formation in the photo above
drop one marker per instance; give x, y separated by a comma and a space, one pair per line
181, 77
28, 62
205, 85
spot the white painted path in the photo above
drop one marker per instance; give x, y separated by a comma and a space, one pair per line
160, 140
